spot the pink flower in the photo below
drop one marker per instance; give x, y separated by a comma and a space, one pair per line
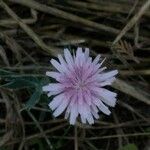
79, 90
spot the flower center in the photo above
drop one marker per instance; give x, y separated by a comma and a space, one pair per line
80, 85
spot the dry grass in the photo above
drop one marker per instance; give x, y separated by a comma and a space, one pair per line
31, 32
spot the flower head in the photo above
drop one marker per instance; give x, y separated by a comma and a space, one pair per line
79, 90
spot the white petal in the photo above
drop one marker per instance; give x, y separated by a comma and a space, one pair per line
95, 114
97, 59
109, 101
85, 111
88, 97
54, 75
73, 114
82, 59
82, 113
102, 61
56, 101
79, 59
93, 106
67, 112
80, 109
90, 118
52, 87
68, 56
106, 96
57, 65
61, 60
73, 99
80, 97
88, 66
65, 102
108, 93
61, 107
63, 64
87, 53
108, 82
88, 71
102, 69
97, 66
83, 120
101, 106
105, 76
53, 93
79, 52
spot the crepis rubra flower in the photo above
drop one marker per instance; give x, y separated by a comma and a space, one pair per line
79, 90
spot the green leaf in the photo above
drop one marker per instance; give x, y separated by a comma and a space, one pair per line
129, 147
12, 75
18, 83
34, 99
4, 72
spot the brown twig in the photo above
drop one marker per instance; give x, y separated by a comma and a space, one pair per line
41, 130
130, 24
51, 50
76, 138
130, 90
